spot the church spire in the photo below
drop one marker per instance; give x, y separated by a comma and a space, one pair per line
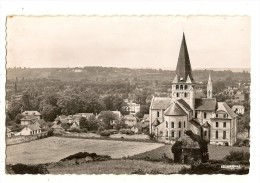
183, 69
209, 88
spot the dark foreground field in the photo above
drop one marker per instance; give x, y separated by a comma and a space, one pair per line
124, 158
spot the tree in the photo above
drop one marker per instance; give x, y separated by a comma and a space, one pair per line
18, 118
144, 109
49, 112
107, 117
83, 123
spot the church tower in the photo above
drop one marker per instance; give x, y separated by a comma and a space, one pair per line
209, 88
183, 83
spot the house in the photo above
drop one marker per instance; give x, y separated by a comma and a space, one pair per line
130, 120
238, 109
85, 115
141, 127
57, 128
133, 108
28, 120
31, 130
170, 117
32, 113
41, 123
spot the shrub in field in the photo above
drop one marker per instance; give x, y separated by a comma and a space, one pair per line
100, 129
50, 133
74, 129
105, 133
152, 136
83, 130
238, 156
242, 142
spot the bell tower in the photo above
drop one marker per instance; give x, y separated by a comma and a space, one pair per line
183, 83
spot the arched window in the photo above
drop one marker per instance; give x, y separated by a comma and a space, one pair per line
216, 124
172, 124
216, 134
158, 114
179, 133
185, 94
184, 124
205, 115
177, 94
166, 133
216, 115
205, 133
172, 133
186, 87
181, 87
196, 114
166, 124
177, 87
179, 124
224, 134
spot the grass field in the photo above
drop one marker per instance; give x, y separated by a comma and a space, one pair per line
116, 167
53, 149
215, 152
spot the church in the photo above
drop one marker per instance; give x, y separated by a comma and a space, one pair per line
188, 109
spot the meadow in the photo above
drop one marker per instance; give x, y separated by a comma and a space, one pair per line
53, 149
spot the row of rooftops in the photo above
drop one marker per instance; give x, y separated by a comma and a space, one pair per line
202, 104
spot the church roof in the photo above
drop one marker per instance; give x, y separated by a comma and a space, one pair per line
205, 104
223, 106
184, 104
174, 110
161, 102
195, 122
183, 69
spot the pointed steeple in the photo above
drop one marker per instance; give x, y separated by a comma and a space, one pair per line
183, 68
209, 88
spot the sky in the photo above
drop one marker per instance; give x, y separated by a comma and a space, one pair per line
127, 41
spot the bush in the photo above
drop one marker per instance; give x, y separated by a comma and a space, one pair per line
50, 133
100, 129
152, 136
27, 169
112, 131
126, 131
105, 133
83, 130
238, 156
74, 129
241, 142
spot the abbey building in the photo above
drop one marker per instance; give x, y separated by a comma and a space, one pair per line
189, 109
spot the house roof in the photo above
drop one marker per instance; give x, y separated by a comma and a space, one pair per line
36, 113
156, 122
174, 110
62, 117
161, 102
142, 124
237, 107
40, 121
184, 104
85, 114
223, 106
205, 104
64, 121
55, 126
206, 125
130, 117
34, 127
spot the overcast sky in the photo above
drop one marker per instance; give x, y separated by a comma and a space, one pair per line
133, 41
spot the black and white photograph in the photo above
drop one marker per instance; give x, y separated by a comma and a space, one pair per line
131, 95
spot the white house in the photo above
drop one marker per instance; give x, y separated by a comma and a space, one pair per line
30, 130
238, 109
